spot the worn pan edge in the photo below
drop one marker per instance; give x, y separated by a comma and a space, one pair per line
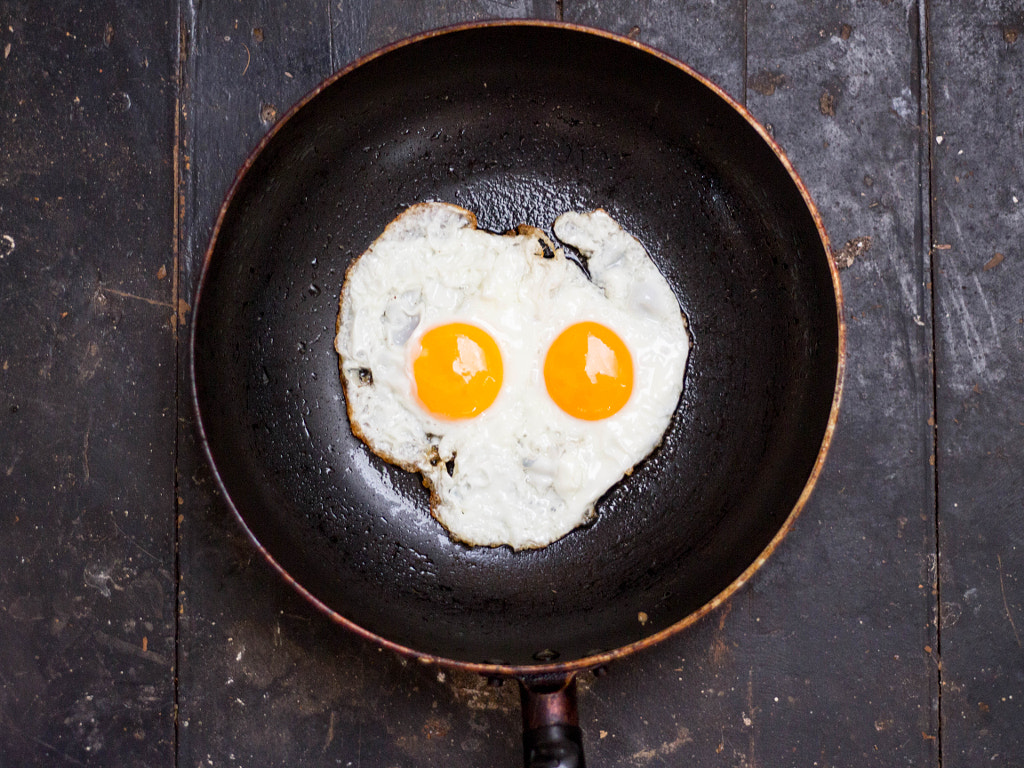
597, 660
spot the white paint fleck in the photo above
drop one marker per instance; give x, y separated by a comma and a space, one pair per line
939, 139
746, 720
6, 245
903, 105
99, 578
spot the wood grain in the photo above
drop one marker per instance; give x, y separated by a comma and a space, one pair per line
823, 658
841, 87
977, 65
87, 405
127, 589
359, 28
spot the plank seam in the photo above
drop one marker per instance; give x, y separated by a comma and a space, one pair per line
928, 222
182, 173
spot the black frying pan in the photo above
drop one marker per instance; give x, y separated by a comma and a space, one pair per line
520, 122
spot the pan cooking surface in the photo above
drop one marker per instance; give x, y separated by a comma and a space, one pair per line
518, 124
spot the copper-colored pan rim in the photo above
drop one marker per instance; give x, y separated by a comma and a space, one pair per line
589, 662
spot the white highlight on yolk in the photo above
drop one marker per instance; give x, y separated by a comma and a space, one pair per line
470, 361
601, 360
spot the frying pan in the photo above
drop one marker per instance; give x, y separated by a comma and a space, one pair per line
520, 122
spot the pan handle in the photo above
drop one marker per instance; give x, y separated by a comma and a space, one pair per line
551, 729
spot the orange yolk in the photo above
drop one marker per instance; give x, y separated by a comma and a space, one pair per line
589, 371
457, 371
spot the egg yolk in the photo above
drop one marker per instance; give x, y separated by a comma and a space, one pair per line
457, 371
589, 371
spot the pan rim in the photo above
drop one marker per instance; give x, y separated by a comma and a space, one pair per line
595, 660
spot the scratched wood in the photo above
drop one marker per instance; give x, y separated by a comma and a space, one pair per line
247, 693
265, 680
822, 659
361, 27
978, 184
87, 370
830, 656
855, 646
710, 41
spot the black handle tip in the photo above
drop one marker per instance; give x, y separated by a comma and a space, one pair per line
553, 746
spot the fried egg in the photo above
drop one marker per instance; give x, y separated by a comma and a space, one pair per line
519, 385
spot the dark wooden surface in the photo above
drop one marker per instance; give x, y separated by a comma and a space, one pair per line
139, 628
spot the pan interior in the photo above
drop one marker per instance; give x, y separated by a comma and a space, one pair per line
518, 124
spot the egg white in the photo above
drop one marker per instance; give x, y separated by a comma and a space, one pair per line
523, 473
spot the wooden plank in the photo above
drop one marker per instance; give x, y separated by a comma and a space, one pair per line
360, 27
264, 679
977, 67
87, 379
854, 652
710, 40
827, 656
243, 67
